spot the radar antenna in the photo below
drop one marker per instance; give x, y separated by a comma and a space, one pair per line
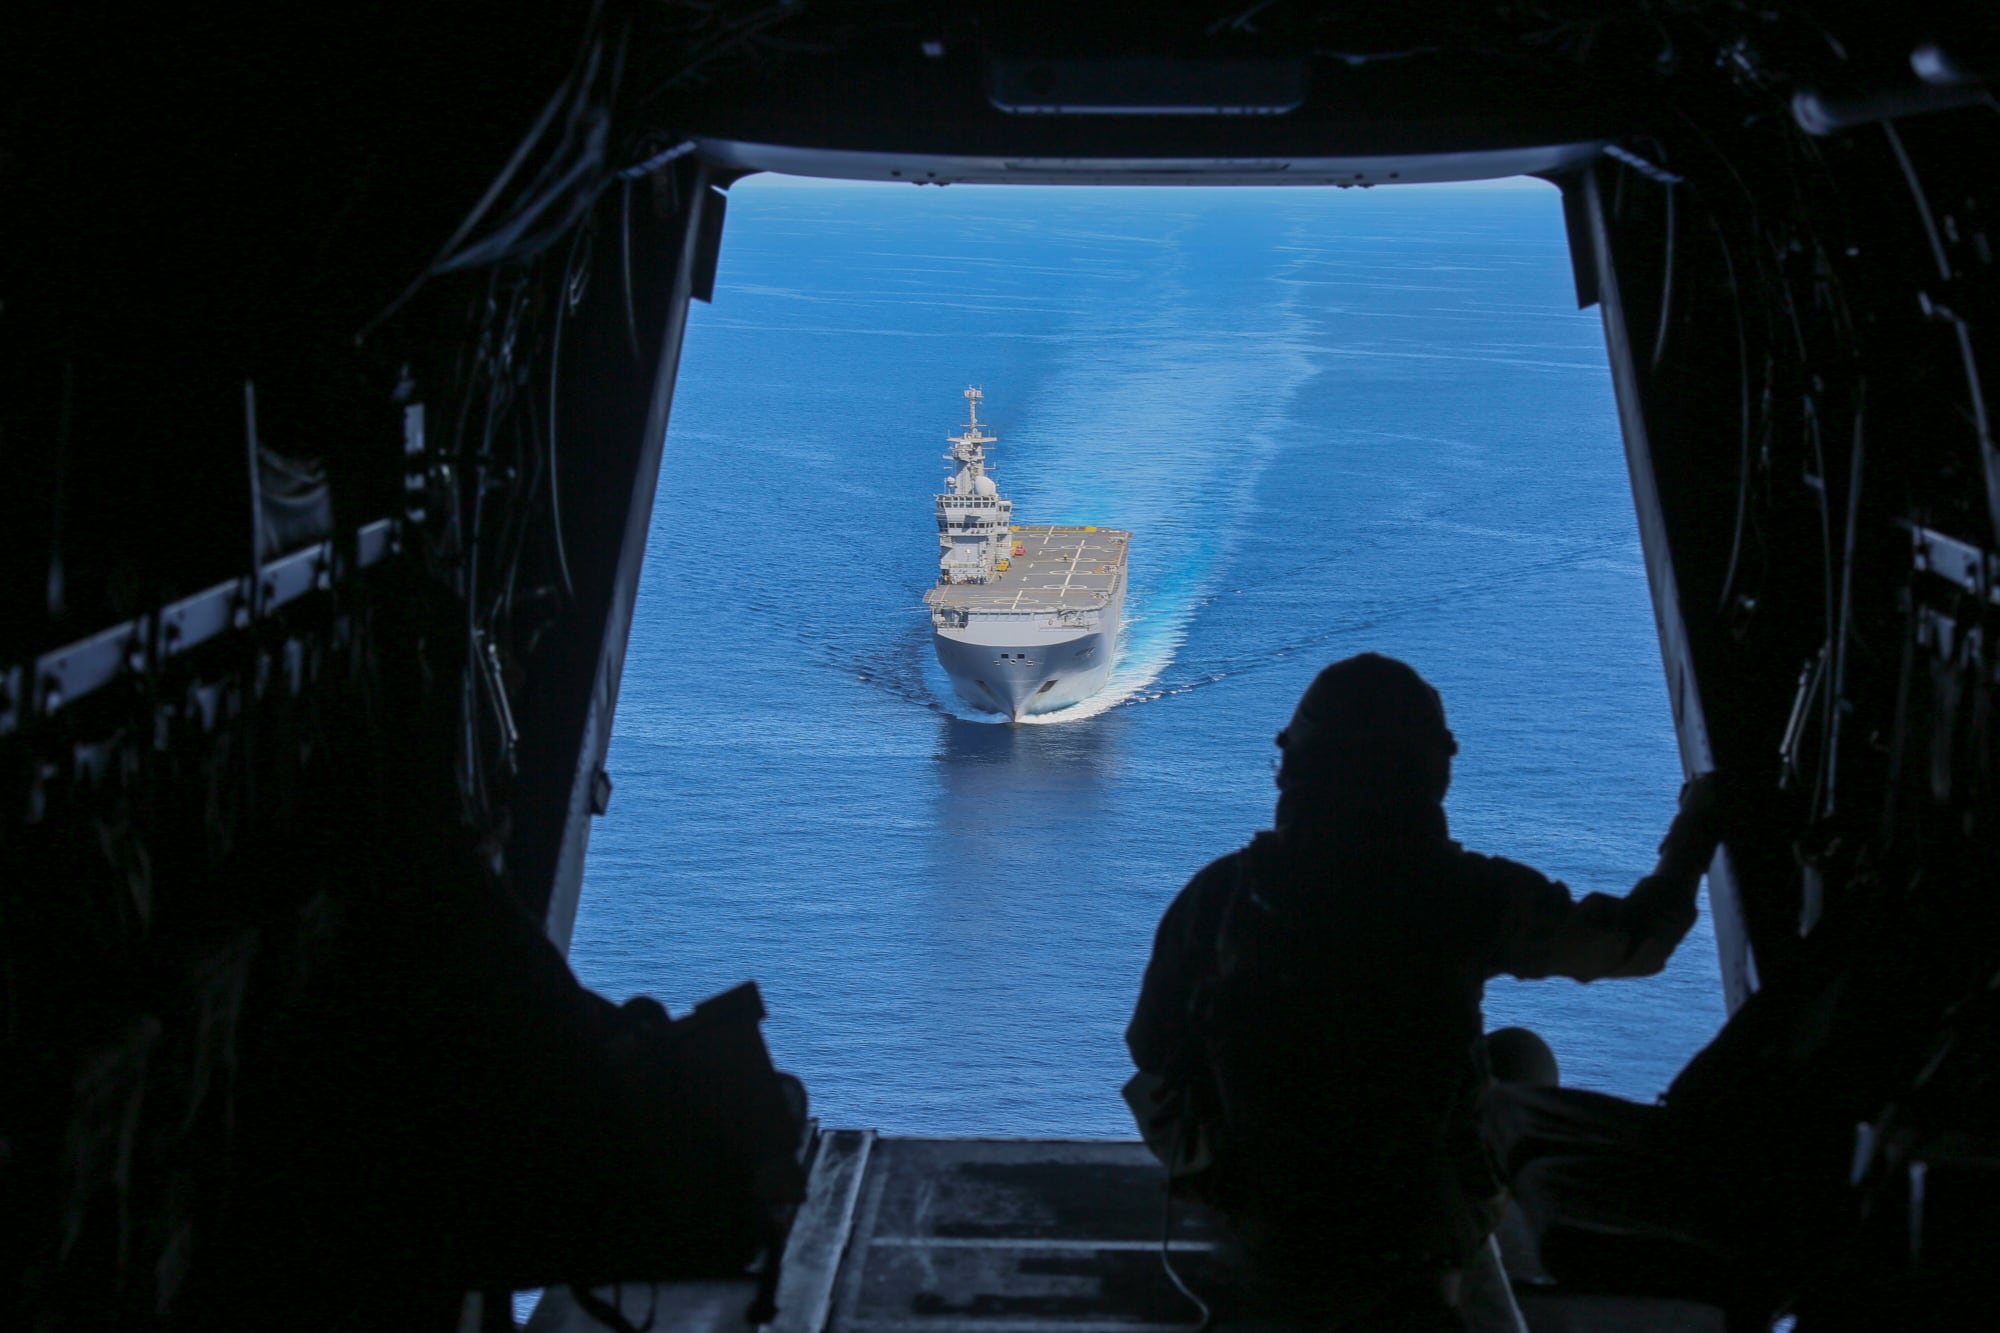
969, 446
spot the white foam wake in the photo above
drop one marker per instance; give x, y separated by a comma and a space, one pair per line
1142, 656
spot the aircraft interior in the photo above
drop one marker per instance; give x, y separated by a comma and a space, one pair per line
340, 349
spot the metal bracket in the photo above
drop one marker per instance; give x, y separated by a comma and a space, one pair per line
75, 670
488, 654
416, 476
1970, 567
56, 680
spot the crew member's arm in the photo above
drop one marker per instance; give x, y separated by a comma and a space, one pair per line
1159, 1036
1546, 934
1183, 948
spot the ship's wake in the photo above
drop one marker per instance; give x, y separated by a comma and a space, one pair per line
1161, 421
1146, 648
1176, 551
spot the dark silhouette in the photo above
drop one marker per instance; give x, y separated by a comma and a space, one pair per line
1309, 1034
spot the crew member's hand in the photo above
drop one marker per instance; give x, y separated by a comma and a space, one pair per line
1706, 815
1704, 801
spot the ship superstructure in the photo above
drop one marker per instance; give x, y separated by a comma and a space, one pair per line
1025, 619
972, 519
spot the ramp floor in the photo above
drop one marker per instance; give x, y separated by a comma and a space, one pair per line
907, 1235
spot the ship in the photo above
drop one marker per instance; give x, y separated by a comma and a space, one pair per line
1025, 619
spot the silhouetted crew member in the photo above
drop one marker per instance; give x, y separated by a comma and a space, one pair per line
1309, 1033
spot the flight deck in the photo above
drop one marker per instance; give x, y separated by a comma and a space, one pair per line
1051, 568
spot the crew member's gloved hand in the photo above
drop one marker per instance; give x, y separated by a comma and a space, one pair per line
1715, 807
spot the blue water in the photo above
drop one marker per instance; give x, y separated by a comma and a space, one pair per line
1334, 421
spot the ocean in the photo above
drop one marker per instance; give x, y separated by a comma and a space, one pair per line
1334, 420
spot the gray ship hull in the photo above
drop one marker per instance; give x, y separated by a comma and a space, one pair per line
1019, 675
1018, 667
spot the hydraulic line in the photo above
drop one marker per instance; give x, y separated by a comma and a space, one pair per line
1989, 457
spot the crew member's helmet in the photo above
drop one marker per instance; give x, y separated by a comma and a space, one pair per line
1368, 722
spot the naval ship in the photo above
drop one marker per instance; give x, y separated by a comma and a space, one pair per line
1025, 618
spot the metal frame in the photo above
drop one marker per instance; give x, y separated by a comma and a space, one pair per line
699, 235
1033, 169
1684, 692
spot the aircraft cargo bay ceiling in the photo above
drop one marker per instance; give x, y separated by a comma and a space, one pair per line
1273, 95
1258, 93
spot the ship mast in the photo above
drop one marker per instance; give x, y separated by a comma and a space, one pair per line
969, 449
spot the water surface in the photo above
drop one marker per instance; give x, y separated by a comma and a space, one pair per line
1334, 421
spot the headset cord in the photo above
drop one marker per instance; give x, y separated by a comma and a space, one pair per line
1166, 1235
